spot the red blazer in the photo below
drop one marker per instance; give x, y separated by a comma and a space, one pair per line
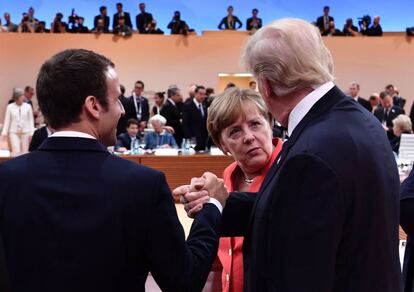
230, 248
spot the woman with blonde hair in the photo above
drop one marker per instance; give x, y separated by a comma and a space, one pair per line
18, 124
240, 125
401, 125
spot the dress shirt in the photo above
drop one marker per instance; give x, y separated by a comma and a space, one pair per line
72, 134
199, 106
304, 106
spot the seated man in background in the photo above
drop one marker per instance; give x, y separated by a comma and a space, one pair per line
122, 29
87, 220
124, 140
39, 136
374, 30
349, 28
159, 138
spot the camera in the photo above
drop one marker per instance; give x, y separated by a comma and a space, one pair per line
366, 19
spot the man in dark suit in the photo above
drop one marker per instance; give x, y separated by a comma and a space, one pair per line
172, 110
84, 220
254, 22
407, 223
323, 21
120, 13
387, 113
354, 93
39, 136
328, 207
195, 117
143, 19
124, 140
104, 18
121, 127
137, 106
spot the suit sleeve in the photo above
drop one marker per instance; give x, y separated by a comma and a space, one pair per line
175, 264
7, 119
236, 214
306, 223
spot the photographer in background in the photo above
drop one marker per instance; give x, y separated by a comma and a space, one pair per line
152, 28
349, 28
58, 26
78, 26
25, 25
374, 30
41, 28
179, 26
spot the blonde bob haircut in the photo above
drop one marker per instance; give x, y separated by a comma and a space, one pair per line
403, 122
290, 54
227, 107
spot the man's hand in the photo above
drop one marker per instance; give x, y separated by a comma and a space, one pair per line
192, 196
215, 187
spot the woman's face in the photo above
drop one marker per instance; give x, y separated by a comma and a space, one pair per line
249, 140
20, 99
397, 130
158, 100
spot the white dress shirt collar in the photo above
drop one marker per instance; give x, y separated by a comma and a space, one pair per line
172, 101
304, 106
196, 103
72, 134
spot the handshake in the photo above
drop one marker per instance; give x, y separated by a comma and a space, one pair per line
200, 191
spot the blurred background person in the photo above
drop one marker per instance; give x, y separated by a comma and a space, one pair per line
121, 13
41, 27
122, 28
349, 28
230, 21
172, 110
159, 99
354, 93
195, 117
79, 25
253, 85
387, 113
58, 26
323, 22
401, 125
159, 138
153, 29
18, 124
179, 26
254, 22
374, 101
143, 19
124, 140
39, 136
25, 25
11, 27
239, 124
104, 18
374, 30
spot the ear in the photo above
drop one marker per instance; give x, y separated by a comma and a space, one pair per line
264, 87
92, 107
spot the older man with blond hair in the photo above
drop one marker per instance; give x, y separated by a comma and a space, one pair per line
326, 216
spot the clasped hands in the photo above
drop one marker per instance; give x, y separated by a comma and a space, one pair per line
199, 192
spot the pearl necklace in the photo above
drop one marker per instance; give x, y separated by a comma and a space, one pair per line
248, 180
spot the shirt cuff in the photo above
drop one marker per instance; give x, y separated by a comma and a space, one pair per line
216, 203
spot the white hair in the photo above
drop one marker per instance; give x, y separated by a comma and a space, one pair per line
290, 54
158, 118
404, 122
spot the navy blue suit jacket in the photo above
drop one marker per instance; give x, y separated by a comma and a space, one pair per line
326, 217
75, 218
194, 125
407, 223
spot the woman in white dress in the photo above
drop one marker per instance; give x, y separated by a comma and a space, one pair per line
18, 124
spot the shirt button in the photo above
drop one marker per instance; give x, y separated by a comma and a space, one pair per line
227, 277
230, 252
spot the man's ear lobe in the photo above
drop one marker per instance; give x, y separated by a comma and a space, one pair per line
92, 106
